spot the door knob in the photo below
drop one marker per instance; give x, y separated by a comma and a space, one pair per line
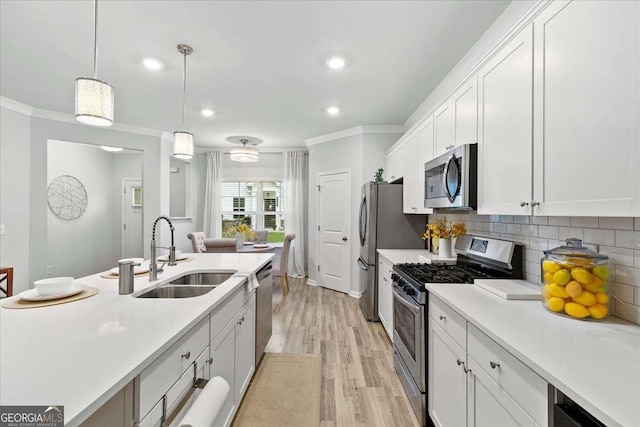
344, 239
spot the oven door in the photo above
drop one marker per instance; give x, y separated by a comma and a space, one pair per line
409, 335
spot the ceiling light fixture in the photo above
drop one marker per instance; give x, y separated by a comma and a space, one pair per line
332, 111
111, 149
94, 98
207, 112
152, 64
336, 63
182, 140
244, 154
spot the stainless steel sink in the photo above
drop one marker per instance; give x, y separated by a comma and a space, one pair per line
215, 278
169, 291
188, 286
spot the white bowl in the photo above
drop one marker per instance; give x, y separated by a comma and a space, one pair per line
53, 285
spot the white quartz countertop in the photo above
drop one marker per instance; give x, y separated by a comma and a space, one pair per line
597, 364
401, 256
82, 353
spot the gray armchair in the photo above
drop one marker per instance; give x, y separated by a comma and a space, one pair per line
280, 269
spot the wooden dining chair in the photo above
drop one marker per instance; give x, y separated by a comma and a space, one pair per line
280, 269
6, 282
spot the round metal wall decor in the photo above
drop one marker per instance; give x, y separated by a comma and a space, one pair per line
67, 197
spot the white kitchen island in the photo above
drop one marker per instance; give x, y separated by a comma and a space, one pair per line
83, 353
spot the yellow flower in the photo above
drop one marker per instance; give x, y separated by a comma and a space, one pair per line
444, 229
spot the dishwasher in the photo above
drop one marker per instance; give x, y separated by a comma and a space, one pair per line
264, 310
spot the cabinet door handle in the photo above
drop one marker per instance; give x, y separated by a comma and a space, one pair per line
534, 204
460, 362
464, 368
523, 204
385, 279
494, 365
442, 317
187, 355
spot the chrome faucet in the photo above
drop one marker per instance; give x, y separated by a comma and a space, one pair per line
153, 263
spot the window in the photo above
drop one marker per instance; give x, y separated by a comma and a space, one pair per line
258, 204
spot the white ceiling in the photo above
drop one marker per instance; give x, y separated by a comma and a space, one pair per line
258, 64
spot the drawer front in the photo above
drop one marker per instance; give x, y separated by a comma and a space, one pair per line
166, 369
453, 324
225, 312
521, 383
154, 417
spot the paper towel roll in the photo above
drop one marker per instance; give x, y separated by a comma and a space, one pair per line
206, 408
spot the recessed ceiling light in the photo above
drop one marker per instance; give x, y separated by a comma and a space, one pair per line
152, 64
332, 111
111, 149
335, 63
207, 112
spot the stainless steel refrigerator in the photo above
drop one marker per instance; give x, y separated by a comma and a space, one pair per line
382, 225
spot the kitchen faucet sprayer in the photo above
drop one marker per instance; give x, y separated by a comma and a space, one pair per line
153, 266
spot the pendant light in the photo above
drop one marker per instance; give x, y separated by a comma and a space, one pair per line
182, 140
244, 154
94, 98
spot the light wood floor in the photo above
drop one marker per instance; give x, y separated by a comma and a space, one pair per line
359, 384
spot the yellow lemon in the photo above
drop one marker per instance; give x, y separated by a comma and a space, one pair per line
548, 277
579, 261
555, 304
561, 277
602, 298
598, 311
558, 291
576, 310
601, 271
585, 298
581, 275
545, 292
573, 288
567, 266
550, 266
596, 285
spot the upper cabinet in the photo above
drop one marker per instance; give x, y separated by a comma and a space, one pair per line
505, 139
426, 149
464, 105
410, 155
578, 152
389, 166
587, 109
443, 128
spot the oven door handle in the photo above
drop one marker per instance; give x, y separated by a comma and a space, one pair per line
402, 299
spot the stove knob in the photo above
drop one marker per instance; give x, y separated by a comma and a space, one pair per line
394, 277
411, 291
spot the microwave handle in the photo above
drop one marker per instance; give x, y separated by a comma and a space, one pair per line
445, 174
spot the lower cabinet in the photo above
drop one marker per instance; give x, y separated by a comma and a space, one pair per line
482, 386
447, 379
163, 387
385, 295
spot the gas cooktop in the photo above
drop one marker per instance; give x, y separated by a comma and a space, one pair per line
420, 274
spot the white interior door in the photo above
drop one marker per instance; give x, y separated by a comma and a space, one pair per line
334, 231
132, 218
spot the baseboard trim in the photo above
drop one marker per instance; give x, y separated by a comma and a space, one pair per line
355, 294
311, 282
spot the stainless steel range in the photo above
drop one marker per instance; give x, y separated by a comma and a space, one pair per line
478, 258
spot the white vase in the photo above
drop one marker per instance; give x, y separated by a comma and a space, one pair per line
444, 248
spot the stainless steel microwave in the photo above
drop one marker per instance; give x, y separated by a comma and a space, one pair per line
451, 180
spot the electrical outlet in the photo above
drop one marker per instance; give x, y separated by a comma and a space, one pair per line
49, 270
2, 229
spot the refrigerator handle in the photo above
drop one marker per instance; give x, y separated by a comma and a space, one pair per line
362, 265
363, 219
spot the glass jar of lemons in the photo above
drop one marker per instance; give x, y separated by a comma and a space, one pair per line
575, 282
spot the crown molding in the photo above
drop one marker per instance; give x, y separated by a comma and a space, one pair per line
199, 149
358, 130
40, 113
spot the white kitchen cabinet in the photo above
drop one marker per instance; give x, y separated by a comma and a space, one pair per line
395, 161
505, 118
426, 151
385, 295
410, 174
443, 128
447, 379
464, 104
245, 348
587, 98
388, 164
223, 364
489, 404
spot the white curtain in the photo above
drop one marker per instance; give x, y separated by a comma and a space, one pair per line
294, 184
212, 216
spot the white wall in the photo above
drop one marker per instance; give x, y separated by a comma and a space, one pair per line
85, 245
362, 154
177, 188
269, 165
15, 149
